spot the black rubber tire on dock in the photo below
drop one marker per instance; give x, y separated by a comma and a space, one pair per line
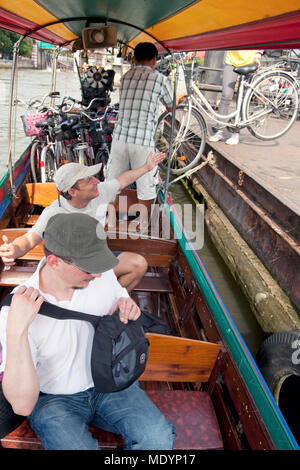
279, 362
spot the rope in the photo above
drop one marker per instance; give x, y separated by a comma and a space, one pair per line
209, 159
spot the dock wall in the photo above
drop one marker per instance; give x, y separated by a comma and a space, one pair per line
271, 304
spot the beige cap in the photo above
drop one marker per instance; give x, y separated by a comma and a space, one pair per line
67, 175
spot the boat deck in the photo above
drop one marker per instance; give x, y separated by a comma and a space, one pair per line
275, 165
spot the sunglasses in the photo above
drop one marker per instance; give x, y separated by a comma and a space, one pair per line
71, 263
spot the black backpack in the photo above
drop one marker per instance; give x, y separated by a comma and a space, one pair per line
119, 351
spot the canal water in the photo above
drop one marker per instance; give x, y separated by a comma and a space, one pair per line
36, 84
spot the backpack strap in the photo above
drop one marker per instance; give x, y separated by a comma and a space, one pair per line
59, 313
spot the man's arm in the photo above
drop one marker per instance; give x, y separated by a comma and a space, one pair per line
9, 251
20, 382
179, 99
129, 177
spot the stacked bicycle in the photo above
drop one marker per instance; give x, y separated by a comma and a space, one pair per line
267, 105
69, 132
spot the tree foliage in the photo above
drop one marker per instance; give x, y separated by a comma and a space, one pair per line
7, 40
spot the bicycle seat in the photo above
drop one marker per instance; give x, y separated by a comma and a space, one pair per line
245, 69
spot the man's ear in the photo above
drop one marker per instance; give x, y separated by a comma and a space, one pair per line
53, 261
71, 193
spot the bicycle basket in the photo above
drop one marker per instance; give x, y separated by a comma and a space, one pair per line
30, 120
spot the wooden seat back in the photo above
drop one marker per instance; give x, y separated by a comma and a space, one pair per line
41, 194
176, 359
156, 252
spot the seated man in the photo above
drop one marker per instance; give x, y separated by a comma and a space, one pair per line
46, 362
83, 193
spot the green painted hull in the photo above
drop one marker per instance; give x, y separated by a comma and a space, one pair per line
270, 413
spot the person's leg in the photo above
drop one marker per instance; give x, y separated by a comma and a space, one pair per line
228, 86
62, 421
117, 164
145, 185
118, 161
132, 414
130, 269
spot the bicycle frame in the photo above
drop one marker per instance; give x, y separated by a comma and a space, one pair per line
237, 113
245, 88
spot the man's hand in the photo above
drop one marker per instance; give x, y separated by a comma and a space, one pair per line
25, 305
181, 97
7, 252
128, 309
257, 59
154, 159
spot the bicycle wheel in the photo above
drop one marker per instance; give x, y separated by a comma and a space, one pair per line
71, 157
188, 139
271, 106
48, 165
35, 159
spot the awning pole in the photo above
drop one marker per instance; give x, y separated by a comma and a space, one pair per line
11, 116
172, 130
53, 77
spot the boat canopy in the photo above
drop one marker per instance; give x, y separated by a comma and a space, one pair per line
174, 25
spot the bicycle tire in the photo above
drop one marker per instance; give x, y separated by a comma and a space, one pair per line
279, 88
71, 157
60, 152
188, 141
48, 166
102, 156
35, 156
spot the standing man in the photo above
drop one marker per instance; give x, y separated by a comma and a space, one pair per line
47, 362
141, 91
81, 192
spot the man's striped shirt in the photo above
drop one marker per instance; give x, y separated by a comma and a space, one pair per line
141, 91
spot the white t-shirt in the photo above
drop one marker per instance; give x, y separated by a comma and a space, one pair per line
61, 349
96, 208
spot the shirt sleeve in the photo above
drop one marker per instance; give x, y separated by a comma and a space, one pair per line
108, 190
42, 221
166, 95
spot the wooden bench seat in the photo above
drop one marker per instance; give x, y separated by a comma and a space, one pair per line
151, 282
170, 359
156, 252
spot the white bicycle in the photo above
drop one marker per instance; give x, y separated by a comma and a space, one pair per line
267, 105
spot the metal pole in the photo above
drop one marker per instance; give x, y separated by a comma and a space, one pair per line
53, 77
11, 116
78, 71
172, 130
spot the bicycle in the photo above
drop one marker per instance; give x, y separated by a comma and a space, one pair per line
41, 121
95, 131
267, 105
